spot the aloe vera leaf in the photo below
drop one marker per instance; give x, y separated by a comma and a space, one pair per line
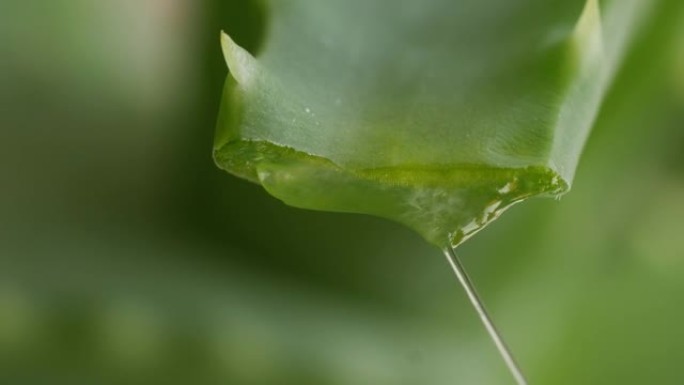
437, 114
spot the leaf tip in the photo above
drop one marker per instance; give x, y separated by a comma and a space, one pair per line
241, 63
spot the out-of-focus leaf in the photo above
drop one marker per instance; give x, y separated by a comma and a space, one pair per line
438, 114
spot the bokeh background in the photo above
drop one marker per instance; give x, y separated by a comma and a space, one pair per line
126, 256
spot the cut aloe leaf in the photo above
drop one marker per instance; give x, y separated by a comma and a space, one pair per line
438, 114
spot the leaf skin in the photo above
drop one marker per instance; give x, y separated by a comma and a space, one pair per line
438, 114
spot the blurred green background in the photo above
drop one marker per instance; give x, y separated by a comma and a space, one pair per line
126, 256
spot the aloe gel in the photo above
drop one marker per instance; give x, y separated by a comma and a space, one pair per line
438, 114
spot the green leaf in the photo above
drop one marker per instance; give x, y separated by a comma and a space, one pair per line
438, 114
